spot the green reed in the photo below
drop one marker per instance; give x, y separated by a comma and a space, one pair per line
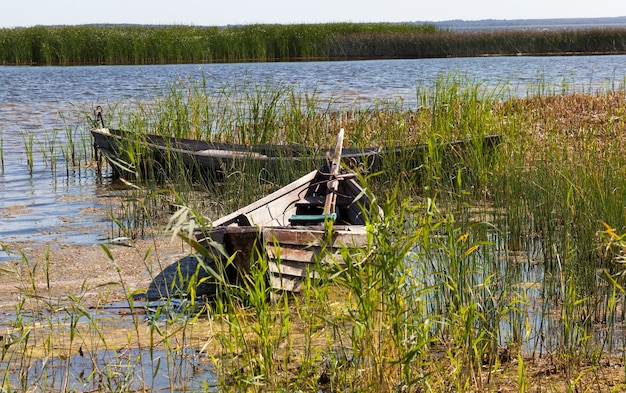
116, 44
259, 113
69, 149
369, 323
454, 109
558, 189
51, 149
48, 150
28, 150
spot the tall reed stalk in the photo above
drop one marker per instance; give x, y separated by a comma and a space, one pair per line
28, 149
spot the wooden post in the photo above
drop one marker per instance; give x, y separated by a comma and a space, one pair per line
333, 183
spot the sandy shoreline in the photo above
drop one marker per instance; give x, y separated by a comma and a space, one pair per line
56, 271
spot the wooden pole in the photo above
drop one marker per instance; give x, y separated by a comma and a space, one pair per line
333, 182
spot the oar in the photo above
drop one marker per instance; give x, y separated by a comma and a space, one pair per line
333, 182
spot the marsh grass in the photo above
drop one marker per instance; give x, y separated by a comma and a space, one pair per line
116, 44
28, 149
57, 149
251, 113
491, 268
473, 278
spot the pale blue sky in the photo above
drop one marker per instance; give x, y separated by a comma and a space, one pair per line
222, 12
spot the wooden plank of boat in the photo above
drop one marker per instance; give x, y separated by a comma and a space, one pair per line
291, 268
228, 153
286, 283
274, 209
302, 256
342, 236
298, 255
333, 182
294, 262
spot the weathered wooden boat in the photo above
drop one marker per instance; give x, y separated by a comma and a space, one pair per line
166, 156
296, 228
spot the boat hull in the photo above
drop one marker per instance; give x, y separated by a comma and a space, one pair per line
167, 156
293, 254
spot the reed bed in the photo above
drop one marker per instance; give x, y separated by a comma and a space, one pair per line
264, 114
115, 44
483, 43
54, 150
489, 270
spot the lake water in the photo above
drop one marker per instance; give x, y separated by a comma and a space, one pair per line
37, 104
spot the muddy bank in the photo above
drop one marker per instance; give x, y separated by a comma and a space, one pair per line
56, 270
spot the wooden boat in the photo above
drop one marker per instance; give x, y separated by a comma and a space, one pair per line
167, 156
302, 224
214, 159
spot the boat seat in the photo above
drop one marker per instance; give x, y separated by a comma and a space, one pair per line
304, 219
309, 210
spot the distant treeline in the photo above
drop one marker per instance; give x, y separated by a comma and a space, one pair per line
123, 44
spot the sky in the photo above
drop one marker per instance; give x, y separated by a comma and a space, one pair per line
25, 13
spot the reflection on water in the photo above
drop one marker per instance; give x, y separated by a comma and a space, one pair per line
122, 370
45, 197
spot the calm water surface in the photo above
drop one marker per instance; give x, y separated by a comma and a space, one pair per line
46, 201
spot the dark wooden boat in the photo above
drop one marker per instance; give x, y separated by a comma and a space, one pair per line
138, 153
167, 156
298, 227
